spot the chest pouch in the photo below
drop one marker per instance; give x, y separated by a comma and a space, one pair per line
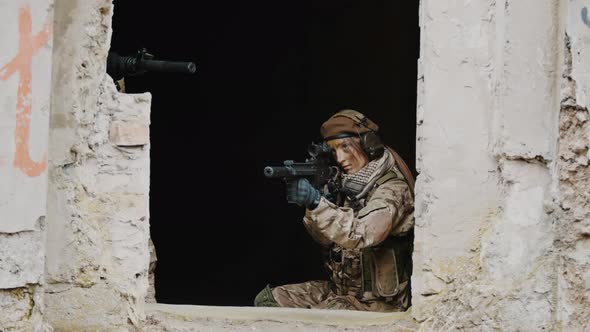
387, 268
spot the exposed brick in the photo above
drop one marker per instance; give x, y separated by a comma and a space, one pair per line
129, 133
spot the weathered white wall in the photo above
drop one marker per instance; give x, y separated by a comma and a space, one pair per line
572, 174
74, 187
25, 80
502, 196
97, 218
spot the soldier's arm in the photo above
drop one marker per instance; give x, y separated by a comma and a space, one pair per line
314, 232
386, 209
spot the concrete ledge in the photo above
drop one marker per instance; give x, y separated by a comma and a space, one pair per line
306, 316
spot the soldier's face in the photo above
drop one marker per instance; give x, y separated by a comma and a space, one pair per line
348, 154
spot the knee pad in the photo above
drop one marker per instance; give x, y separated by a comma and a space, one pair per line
265, 298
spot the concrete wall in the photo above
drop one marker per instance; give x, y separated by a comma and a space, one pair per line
25, 81
97, 218
571, 177
502, 196
74, 219
502, 206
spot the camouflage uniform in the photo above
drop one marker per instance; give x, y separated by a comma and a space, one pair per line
369, 249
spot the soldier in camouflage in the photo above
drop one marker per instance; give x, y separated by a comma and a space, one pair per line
368, 231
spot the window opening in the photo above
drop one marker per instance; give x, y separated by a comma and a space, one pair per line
268, 74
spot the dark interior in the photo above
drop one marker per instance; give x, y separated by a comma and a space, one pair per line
268, 74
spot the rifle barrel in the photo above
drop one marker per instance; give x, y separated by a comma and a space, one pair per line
289, 171
168, 66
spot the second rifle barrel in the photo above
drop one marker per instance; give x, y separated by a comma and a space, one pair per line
169, 66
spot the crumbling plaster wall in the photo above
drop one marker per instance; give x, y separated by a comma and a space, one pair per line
25, 80
572, 173
503, 212
502, 197
97, 215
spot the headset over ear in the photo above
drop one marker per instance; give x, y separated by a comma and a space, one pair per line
370, 141
372, 145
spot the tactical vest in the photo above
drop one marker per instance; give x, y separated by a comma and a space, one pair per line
387, 267
375, 272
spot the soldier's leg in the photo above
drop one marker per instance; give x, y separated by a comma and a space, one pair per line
400, 302
342, 302
349, 302
265, 298
305, 295
317, 294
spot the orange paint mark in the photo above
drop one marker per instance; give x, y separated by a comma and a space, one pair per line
28, 45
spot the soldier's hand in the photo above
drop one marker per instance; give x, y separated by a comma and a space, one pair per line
302, 193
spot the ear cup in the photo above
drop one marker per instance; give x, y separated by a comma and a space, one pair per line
372, 145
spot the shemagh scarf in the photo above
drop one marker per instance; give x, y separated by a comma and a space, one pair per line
361, 182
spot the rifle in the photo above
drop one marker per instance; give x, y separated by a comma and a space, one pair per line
120, 66
320, 168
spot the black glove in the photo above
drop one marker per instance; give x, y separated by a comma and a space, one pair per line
302, 193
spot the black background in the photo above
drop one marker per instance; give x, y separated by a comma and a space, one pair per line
268, 74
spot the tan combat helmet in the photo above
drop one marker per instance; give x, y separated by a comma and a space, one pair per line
347, 123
